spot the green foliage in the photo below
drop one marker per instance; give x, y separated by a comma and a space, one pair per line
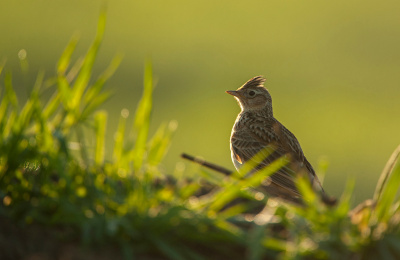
51, 178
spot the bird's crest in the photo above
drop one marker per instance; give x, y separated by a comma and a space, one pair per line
254, 82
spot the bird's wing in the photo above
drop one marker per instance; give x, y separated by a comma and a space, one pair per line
295, 147
247, 142
313, 177
245, 147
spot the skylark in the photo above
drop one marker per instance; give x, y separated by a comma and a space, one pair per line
256, 129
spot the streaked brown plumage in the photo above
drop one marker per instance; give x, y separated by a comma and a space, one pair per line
256, 129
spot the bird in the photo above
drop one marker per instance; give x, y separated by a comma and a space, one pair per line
256, 130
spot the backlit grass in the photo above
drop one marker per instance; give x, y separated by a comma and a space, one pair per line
57, 189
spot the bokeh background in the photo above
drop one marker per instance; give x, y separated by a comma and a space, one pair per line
332, 67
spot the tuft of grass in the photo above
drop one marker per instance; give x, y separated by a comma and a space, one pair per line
57, 190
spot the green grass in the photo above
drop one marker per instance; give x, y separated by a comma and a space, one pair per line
59, 195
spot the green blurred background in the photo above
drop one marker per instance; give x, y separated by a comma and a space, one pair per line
332, 68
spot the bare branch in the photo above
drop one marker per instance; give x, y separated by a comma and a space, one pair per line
209, 165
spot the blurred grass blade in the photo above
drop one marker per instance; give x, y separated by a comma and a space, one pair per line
10, 95
9, 103
85, 73
4, 106
98, 85
45, 132
386, 173
94, 104
228, 193
155, 144
3, 113
33, 104
254, 161
71, 75
39, 81
119, 137
142, 118
10, 123
213, 178
93, 98
233, 211
2, 67
168, 250
65, 92
160, 143
52, 105
305, 189
323, 166
65, 59
189, 190
275, 244
27, 111
343, 206
388, 194
228, 227
100, 121
255, 247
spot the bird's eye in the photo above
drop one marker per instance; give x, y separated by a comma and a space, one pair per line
252, 93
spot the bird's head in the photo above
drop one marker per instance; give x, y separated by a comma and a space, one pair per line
253, 96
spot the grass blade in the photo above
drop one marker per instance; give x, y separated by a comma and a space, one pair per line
94, 104
100, 122
9, 91
65, 92
142, 118
388, 186
119, 137
386, 173
2, 66
387, 198
228, 193
98, 85
85, 73
52, 105
167, 249
65, 59
9, 102
304, 186
160, 143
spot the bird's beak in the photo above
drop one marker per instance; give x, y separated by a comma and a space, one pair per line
233, 93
